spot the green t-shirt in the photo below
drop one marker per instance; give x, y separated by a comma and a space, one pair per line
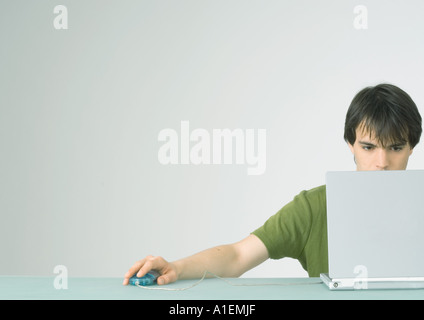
299, 231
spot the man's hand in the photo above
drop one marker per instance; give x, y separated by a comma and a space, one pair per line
230, 260
167, 270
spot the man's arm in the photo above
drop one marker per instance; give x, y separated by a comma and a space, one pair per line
230, 260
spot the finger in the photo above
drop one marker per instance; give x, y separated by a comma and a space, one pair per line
135, 268
165, 279
151, 263
162, 280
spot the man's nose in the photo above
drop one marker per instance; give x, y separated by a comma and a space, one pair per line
382, 161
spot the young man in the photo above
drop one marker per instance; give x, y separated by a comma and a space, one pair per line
382, 127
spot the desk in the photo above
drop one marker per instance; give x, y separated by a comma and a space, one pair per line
42, 288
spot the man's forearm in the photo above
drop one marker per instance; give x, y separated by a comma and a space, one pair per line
221, 261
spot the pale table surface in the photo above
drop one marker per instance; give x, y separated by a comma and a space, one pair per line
42, 288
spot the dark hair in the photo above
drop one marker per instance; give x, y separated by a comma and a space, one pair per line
386, 111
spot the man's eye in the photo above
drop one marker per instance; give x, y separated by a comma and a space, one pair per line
397, 149
367, 148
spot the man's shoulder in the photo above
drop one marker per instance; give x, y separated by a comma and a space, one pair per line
315, 199
315, 193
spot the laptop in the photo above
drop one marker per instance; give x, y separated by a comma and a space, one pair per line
375, 225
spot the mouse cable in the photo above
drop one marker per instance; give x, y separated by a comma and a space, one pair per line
230, 283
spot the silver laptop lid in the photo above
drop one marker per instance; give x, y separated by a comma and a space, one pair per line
375, 222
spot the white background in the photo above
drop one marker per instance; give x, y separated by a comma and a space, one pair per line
81, 110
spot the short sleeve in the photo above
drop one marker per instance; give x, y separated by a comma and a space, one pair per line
286, 233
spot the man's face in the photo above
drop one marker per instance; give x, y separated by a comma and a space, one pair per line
371, 155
